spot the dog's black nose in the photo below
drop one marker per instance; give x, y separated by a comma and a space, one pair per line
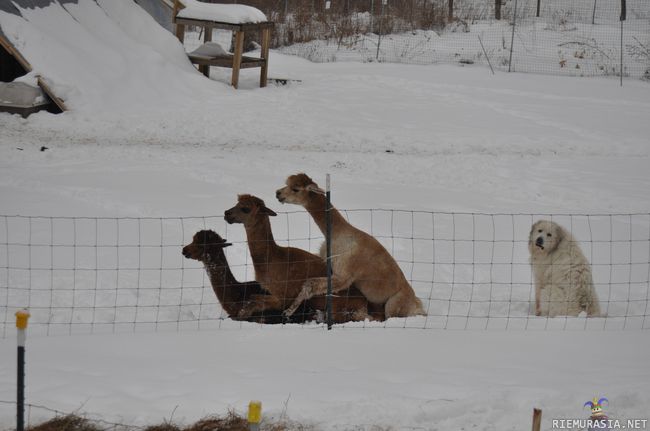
539, 242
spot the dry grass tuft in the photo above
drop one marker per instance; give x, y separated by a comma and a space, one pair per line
69, 422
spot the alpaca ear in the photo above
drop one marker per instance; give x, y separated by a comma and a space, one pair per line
314, 188
226, 244
268, 211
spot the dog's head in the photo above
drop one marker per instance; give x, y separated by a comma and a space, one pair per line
204, 243
544, 237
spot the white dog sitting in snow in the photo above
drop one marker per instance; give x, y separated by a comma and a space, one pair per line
563, 283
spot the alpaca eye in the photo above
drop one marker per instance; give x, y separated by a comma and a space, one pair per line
548, 235
245, 210
295, 190
539, 231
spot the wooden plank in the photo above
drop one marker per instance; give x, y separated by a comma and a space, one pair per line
180, 27
9, 47
266, 42
537, 419
46, 88
224, 25
226, 61
236, 61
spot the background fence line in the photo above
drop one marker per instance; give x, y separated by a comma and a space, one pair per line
577, 38
471, 270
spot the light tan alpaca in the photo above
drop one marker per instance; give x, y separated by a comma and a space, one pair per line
563, 282
281, 271
357, 257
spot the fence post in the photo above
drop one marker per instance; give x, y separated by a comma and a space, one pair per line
537, 419
372, 16
497, 9
381, 18
22, 317
623, 17
254, 415
450, 14
328, 242
538, 5
512, 40
593, 15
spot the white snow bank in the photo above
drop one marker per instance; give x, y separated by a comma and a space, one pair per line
98, 59
337, 380
228, 13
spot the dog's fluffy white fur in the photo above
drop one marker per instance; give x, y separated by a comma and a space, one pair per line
563, 282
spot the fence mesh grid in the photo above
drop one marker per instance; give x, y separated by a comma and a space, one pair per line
471, 271
573, 38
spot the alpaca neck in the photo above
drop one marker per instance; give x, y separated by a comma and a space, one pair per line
260, 240
220, 275
317, 207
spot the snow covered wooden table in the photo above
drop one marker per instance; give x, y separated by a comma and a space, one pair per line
234, 17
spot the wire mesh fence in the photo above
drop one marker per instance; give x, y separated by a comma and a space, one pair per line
471, 271
573, 38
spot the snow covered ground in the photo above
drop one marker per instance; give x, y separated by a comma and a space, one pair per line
167, 143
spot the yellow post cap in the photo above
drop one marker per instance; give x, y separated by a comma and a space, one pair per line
254, 412
21, 319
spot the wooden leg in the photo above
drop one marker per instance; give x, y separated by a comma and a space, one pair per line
207, 37
266, 42
180, 32
236, 61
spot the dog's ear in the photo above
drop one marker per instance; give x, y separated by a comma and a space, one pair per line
561, 234
532, 230
267, 211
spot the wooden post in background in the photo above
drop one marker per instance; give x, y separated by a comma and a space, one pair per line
537, 419
450, 14
497, 9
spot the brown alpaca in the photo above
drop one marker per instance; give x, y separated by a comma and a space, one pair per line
207, 247
282, 271
357, 257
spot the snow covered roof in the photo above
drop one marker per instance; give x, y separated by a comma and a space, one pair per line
228, 13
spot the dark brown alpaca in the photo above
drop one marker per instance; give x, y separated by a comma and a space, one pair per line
281, 271
207, 247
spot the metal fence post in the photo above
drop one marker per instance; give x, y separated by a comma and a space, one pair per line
22, 317
623, 17
328, 242
381, 18
512, 40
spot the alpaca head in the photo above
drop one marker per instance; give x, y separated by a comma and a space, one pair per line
249, 210
299, 190
203, 245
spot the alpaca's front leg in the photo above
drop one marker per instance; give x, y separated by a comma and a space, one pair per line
314, 287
